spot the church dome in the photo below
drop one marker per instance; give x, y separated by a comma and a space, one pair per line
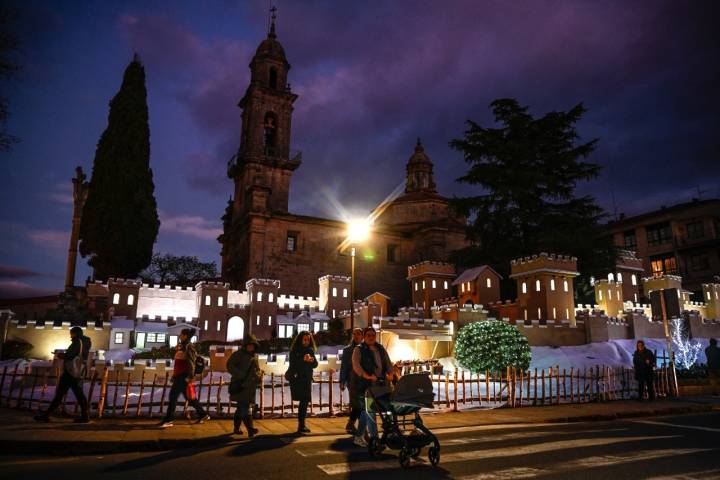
419, 156
270, 48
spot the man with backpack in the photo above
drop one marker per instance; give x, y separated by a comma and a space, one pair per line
74, 361
184, 371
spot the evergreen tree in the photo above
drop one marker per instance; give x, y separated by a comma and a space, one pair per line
120, 221
528, 170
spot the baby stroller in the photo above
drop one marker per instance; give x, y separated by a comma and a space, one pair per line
412, 392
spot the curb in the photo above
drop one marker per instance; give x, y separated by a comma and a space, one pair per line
94, 447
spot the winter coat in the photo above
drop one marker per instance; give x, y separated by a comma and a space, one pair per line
346, 370
245, 372
644, 363
301, 373
74, 349
368, 365
712, 353
189, 354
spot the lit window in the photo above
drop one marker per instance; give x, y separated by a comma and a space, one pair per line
334, 292
207, 299
525, 312
567, 314
151, 338
220, 301
633, 279
206, 325
600, 294
524, 287
537, 285
173, 340
345, 293
565, 285
334, 316
423, 284
445, 285
716, 295
269, 320
119, 337
433, 284
635, 295
611, 277
257, 320
325, 325
131, 299
291, 244
219, 324
160, 338
468, 287
303, 327
270, 297
539, 314
116, 299
462, 287
609, 294
619, 277
316, 326
259, 296
554, 314
416, 286
488, 282
552, 284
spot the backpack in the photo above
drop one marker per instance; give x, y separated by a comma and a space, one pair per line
200, 365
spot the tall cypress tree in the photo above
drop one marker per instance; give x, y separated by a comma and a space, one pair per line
527, 170
120, 221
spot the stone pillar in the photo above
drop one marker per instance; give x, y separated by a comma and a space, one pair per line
80, 193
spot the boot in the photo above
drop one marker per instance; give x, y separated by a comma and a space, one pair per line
350, 427
248, 420
237, 430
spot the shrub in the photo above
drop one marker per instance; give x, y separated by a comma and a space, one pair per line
16, 349
491, 345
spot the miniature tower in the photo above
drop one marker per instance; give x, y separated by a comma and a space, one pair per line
430, 282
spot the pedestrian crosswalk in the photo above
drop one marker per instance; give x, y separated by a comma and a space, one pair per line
476, 454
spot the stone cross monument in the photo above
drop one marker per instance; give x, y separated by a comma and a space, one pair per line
80, 193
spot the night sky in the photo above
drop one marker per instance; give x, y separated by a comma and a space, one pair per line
372, 76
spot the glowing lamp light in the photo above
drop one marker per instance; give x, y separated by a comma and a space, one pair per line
358, 230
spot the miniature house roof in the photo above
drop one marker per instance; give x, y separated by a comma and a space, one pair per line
122, 323
377, 293
156, 327
472, 273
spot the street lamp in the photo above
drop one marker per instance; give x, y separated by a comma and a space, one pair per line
357, 232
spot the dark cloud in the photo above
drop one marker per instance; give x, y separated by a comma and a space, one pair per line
9, 271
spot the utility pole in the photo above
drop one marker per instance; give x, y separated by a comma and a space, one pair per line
668, 339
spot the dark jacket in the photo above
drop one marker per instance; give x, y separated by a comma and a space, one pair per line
74, 349
301, 373
712, 353
346, 370
245, 372
644, 363
367, 363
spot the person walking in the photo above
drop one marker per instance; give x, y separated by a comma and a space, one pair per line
712, 355
371, 363
300, 375
346, 379
644, 363
245, 373
182, 378
74, 361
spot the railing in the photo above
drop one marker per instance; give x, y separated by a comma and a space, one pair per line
113, 393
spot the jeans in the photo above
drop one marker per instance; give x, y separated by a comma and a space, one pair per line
302, 414
178, 387
642, 384
367, 420
68, 382
242, 412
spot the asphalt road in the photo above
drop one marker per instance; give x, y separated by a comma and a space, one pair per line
678, 447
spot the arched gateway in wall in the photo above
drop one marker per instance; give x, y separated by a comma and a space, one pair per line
235, 329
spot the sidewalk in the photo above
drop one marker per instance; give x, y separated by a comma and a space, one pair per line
20, 434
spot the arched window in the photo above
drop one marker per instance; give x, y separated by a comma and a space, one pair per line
423, 284
259, 296
116, 299
235, 329
344, 292
600, 294
552, 286
207, 300
270, 132
633, 279
433, 284
488, 282
416, 286
462, 287
334, 291
131, 299
537, 285
539, 314
524, 289
619, 276
565, 285
273, 78
445, 285
611, 277
220, 301
270, 297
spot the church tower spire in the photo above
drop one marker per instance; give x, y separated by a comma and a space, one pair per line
419, 172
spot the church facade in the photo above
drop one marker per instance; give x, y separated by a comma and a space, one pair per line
262, 239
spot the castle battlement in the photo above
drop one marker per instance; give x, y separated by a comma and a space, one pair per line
431, 268
414, 323
124, 282
334, 278
266, 282
544, 263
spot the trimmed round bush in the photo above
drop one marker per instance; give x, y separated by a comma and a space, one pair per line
491, 345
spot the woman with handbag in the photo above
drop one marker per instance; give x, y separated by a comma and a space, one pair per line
300, 374
245, 372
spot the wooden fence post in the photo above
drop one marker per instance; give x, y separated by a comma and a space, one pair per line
487, 385
455, 391
142, 390
464, 395
272, 393
218, 400
12, 385
162, 397
262, 394
32, 391
18, 402
535, 382
331, 410
447, 392
127, 395
209, 391
103, 393
91, 390
152, 396
2, 381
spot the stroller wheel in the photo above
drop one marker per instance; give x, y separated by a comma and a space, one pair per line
404, 457
375, 448
415, 452
434, 455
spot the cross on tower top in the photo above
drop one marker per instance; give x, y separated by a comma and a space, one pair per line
273, 16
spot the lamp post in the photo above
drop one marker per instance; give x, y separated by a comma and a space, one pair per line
357, 231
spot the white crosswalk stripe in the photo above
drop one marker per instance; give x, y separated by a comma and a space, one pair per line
471, 455
474, 440
584, 463
667, 424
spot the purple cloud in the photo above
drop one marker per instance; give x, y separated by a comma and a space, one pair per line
10, 271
